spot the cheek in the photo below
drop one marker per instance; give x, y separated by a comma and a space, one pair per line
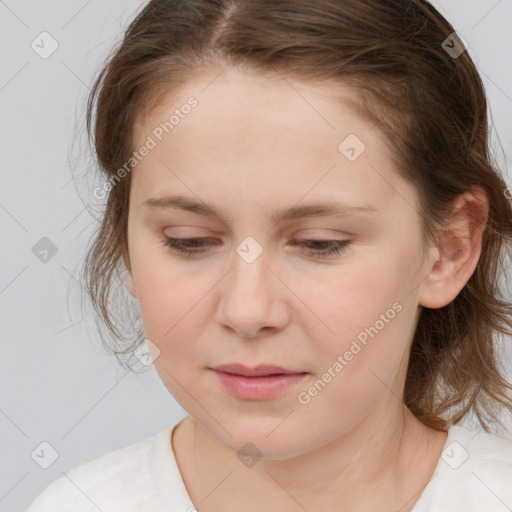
358, 369
170, 310
356, 297
163, 293
368, 317
174, 306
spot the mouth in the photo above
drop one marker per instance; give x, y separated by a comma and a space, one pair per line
259, 383
261, 370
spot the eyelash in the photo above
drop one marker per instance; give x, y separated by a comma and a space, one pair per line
334, 246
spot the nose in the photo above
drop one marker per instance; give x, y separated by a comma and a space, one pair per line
252, 298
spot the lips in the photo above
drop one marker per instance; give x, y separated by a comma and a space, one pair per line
262, 382
258, 371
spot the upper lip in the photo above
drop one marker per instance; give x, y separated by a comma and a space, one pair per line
258, 371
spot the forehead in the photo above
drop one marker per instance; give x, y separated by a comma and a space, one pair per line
263, 138
232, 97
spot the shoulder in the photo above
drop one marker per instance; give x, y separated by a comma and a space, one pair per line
474, 473
117, 480
481, 450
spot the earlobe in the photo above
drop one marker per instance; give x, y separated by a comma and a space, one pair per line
453, 262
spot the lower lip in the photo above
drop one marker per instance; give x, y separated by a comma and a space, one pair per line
258, 388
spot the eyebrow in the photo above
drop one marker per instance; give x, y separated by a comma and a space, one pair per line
295, 212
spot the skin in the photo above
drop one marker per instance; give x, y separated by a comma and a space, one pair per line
253, 144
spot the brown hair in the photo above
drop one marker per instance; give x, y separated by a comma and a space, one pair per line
430, 105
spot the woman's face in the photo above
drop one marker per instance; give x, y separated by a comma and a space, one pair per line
271, 166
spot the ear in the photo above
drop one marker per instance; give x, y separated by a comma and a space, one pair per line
454, 260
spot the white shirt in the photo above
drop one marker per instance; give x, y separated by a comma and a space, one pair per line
474, 474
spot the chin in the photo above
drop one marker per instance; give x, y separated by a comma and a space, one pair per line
263, 437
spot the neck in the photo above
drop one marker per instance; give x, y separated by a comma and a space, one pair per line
363, 469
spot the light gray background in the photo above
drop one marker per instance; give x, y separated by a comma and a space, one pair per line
57, 383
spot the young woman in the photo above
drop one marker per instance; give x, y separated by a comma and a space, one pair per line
302, 196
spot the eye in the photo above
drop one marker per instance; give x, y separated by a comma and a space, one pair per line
192, 246
324, 248
176, 245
